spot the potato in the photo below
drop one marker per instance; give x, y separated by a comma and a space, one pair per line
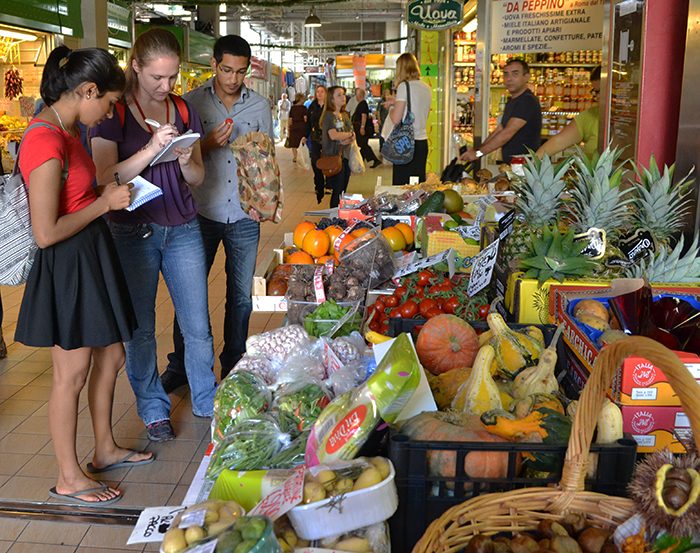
382, 466
369, 477
564, 544
574, 523
592, 540
290, 537
194, 534
326, 478
313, 492
217, 527
212, 515
353, 545
174, 541
343, 485
480, 544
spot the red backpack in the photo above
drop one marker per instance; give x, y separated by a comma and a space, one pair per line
180, 104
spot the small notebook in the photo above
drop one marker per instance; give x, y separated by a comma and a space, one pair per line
142, 192
168, 152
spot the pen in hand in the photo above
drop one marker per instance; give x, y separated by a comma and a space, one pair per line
152, 123
116, 178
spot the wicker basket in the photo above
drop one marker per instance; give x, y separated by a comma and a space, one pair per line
522, 510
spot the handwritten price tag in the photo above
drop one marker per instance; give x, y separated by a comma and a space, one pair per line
482, 269
471, 231
283, 498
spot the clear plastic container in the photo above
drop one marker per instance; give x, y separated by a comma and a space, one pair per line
371, 254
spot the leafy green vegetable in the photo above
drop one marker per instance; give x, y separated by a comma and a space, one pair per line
292, 455
241, 395
322, 320
298, 405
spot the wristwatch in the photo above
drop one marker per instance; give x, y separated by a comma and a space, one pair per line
478, 154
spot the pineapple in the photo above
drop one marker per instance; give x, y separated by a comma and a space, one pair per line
668, 265
660, 205
598, 200
538, 203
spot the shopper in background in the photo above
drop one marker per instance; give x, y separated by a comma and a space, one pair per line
521, 124
383, 112
353, 101
584, 127
337, 137
297, 124
309, 99
76, 300
363, 126
314, 138
283, 108
222, 99
163, 235
408, 77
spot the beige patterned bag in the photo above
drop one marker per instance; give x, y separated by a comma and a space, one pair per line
259, 184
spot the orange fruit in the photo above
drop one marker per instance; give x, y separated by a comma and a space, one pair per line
344, 242
300, 231
359, 232
395, 238
333, 232
300, 258
286, 252
316, 243
405, 229
322, 260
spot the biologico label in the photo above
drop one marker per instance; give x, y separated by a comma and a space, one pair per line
346, 429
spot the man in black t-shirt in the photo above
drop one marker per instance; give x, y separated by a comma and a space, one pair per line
521, 124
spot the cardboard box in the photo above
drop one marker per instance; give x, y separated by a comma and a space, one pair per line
262, 302
656, 427
644, 384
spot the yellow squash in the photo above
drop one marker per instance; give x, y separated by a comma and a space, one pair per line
479, 393
514, 350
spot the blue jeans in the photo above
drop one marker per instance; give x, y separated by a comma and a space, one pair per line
240, 241
177, 252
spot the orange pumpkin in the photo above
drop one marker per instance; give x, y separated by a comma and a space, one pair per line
447, 342
316, 243
300, 258
300, 231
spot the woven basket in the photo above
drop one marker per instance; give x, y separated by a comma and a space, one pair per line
523, 509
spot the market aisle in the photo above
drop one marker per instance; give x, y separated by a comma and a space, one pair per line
27, 464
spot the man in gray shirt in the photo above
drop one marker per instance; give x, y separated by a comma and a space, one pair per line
228, 110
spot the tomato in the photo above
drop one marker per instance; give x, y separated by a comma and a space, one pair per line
229, 121
400, 291
433, 312
375, 325
426, 305
380, 301
395, 313
484, 310
444, 286
391, 301
409, 309
384, 326
424, 277
451, 305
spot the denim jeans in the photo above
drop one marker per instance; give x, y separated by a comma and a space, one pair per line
177, 252
241, 248
339, 183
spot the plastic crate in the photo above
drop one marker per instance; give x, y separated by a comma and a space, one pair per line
423, 498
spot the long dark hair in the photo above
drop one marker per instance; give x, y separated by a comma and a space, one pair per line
67, 69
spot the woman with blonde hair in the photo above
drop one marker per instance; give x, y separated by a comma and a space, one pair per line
337, 137
163, 235
410, 90
297, 124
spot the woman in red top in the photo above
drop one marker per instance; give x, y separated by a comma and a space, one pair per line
76, 299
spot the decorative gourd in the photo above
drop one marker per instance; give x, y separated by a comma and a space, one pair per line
436, 427
609, 424
539, 379
514, 350
446, 385
479, 393
446, 342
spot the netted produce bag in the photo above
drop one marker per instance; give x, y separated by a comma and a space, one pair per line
369, 258
241, 395
259, 184
278, 343
298, 405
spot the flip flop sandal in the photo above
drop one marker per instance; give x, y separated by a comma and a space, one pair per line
122, 463
73, 498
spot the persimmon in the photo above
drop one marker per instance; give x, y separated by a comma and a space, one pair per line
300, 232
333, 232
316, 243
406, 231
395, 238
300, 258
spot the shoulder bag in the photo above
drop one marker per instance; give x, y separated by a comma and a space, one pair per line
400, 145
330, 165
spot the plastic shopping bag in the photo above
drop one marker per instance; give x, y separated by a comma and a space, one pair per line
357, 164
303, 158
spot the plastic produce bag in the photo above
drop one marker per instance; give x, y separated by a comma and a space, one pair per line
277, 343
348, 377
344, 426
293, 454
304, 158
306, 364
374, 539
250, 445
200, 523
241, 395
248, 535
262, 367
349, 348
298, 405
259, 184
357, 164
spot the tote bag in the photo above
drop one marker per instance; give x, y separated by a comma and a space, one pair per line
400, 146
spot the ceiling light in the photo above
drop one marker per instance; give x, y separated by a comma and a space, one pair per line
312, 20
16, 35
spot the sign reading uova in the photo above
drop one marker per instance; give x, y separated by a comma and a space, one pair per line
546, 25
434, 15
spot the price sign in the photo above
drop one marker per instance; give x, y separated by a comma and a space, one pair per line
482, 269
283, 498
152, 524
470, 232
447, 255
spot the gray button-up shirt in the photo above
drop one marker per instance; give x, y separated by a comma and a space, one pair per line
217, 198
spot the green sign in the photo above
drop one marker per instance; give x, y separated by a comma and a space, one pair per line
118, 24
434, 15
200, 47
51, 16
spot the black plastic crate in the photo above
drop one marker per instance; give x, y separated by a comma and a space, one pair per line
423, 498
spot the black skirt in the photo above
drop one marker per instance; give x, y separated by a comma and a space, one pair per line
76, 294
401, 174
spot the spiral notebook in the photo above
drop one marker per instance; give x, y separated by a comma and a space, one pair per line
142, 192
168, 152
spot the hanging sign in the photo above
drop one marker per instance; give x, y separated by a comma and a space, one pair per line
434, 15
546, 25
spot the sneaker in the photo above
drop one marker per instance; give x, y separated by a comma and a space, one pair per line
171, 381
160, 431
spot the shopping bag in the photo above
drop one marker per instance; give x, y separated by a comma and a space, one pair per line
357, 164
304, 158
400, 145
259, 184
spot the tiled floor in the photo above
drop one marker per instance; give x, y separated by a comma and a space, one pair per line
27, 467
